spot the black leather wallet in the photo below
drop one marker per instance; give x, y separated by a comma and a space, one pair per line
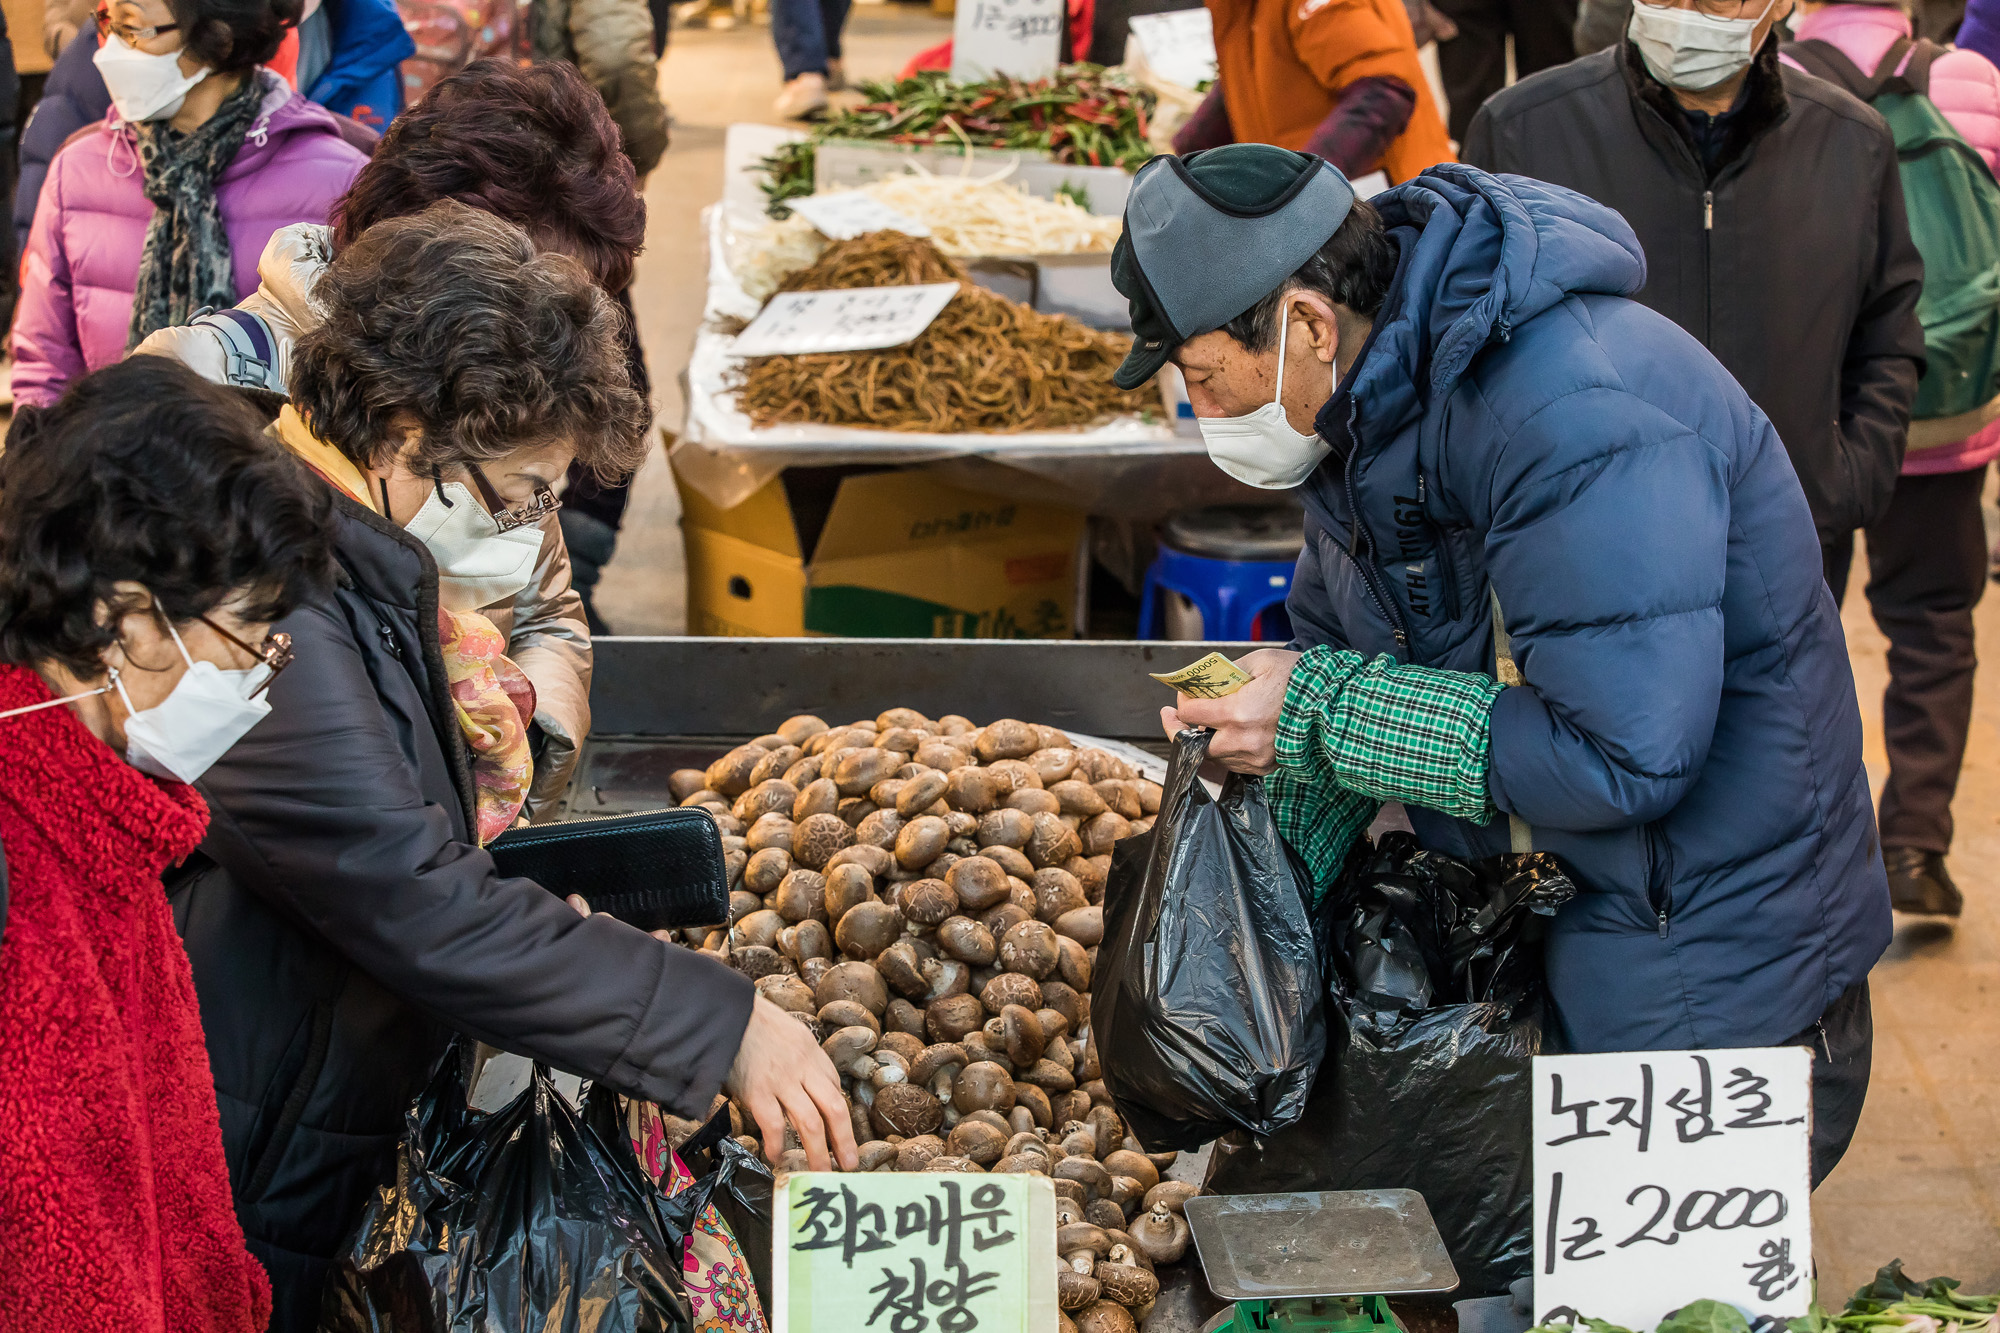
659, 870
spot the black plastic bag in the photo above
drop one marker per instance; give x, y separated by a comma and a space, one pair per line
533, 1217
737, 1182
1435, 981
1208, 1005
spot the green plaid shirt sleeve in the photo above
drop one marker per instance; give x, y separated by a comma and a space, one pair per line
1355, 733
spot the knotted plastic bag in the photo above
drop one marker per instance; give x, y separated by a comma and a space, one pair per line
1208, 1004
533, 1217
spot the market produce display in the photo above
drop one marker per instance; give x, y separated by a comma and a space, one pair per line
1082, 115
984, 364
926, 896
1892, 1301
968, 218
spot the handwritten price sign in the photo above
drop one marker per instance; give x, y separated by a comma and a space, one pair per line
851, 320
915, 1253
1021, 38
1668, 1176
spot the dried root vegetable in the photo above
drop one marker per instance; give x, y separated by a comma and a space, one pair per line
985, 364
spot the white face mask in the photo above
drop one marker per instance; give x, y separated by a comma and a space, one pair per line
1260, 448
1689, 50
182, 736
478, 564
143, 86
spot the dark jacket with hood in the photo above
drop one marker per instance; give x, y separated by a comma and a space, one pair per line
1792, 262
342, 924
1688, 740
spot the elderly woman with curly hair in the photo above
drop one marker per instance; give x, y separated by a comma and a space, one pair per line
343, 918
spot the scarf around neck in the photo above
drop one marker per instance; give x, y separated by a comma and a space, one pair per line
186, 263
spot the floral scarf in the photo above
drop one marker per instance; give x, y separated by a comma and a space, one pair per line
715, 1274
495, 701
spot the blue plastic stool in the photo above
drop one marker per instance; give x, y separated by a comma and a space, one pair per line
1220, 560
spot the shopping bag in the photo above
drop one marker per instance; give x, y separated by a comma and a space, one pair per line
1208, 1003
533, 1217
1435, 1010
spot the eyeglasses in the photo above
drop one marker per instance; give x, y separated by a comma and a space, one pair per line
130, 36
275, 652
534, 511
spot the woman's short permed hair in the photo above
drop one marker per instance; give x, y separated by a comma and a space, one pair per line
454, 320
147, 472
533, 145
231, 35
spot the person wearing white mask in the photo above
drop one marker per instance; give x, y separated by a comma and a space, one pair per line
1771, 214
1558, 589
164, 207
150, 533
343, 902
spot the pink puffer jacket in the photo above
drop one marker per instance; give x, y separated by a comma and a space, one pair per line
1966, 87
82, 263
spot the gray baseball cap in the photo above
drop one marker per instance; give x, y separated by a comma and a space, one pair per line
1209, 235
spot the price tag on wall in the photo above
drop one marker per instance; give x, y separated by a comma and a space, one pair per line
1022, 38
851, 320
1666, 1177
915, 1252
1179, 46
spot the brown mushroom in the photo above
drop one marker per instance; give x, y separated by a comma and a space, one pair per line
914, 1153
1105, 1212
760, 927
1161, 1232
1053, 842
803, 772
1036, 1101
853, 981
1033, 801
1109, 1129
976, 1141
979, 882
919, 841
972, 790
904, 1108
1074, 1290
1073, 963
1091, 871
817, 837
1095, 1180
1067, 1106
879, 829
1077, 798
685, 782
730, 775
808, 939
943, 977
787, 992
967, 940
1085, 925
1100, 832
800, 728
1011, 988
941, 756
1014, 775
953, 1017
1105, 1317
1021, 1033
867, 929
801, 896
766, 869
929, 902
1050, 1077
1005, 828
1005, 917
920, 794
1053, 763
876, 1155
942, 1060
904, 1044
771, 831
812, 969
858, 770
1081, 1238
1011, 859
979, 1046
768, 795
1127, 1284
904, 739
1056, 892
847, 886
847, 1046
875, 860
902, 967
904, 1017
1124, 1162
1005, 739
1030, 949
846, 1013
982, 1086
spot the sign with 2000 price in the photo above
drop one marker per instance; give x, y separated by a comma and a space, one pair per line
1019, 38
1665, 1177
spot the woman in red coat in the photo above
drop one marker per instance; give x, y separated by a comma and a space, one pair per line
149, 535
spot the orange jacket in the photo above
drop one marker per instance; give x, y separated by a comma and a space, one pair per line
1283, 63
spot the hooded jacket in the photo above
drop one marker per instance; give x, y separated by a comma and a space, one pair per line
83, 255
1688, 740
547, 636
363, 76
114, 1204
342, 924
1793, 263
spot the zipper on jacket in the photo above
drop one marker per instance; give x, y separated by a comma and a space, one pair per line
1708, 210
1707, 268
389, 641
1447, 569
1357, 531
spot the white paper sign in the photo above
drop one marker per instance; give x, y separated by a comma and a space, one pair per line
855, 320
849, 213
1021, 38
1666, 1177
1179, 46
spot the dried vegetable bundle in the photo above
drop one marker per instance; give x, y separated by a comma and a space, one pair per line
985, 364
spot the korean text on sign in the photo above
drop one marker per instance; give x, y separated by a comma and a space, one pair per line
1665, 1177
898, 1252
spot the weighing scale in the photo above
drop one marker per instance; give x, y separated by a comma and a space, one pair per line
1323, 1262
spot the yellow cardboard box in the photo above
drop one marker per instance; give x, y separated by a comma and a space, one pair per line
885, 554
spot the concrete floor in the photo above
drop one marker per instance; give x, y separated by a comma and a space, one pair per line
1923, 1180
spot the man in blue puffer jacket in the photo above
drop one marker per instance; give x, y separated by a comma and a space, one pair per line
1511, 442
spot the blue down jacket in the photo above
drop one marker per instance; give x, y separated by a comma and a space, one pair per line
1688, 741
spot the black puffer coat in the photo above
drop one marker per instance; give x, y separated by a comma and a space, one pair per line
342, 924
1792, 262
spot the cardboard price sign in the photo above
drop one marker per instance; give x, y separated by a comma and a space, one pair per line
844, 215
854, 320
1179, 46
1021, 38
1665, 1177
915, 1252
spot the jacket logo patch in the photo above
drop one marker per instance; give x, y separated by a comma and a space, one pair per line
1409, 517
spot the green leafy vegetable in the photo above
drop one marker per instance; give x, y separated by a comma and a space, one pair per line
1705, 1317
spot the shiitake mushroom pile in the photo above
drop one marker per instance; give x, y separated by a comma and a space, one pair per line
927, 897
